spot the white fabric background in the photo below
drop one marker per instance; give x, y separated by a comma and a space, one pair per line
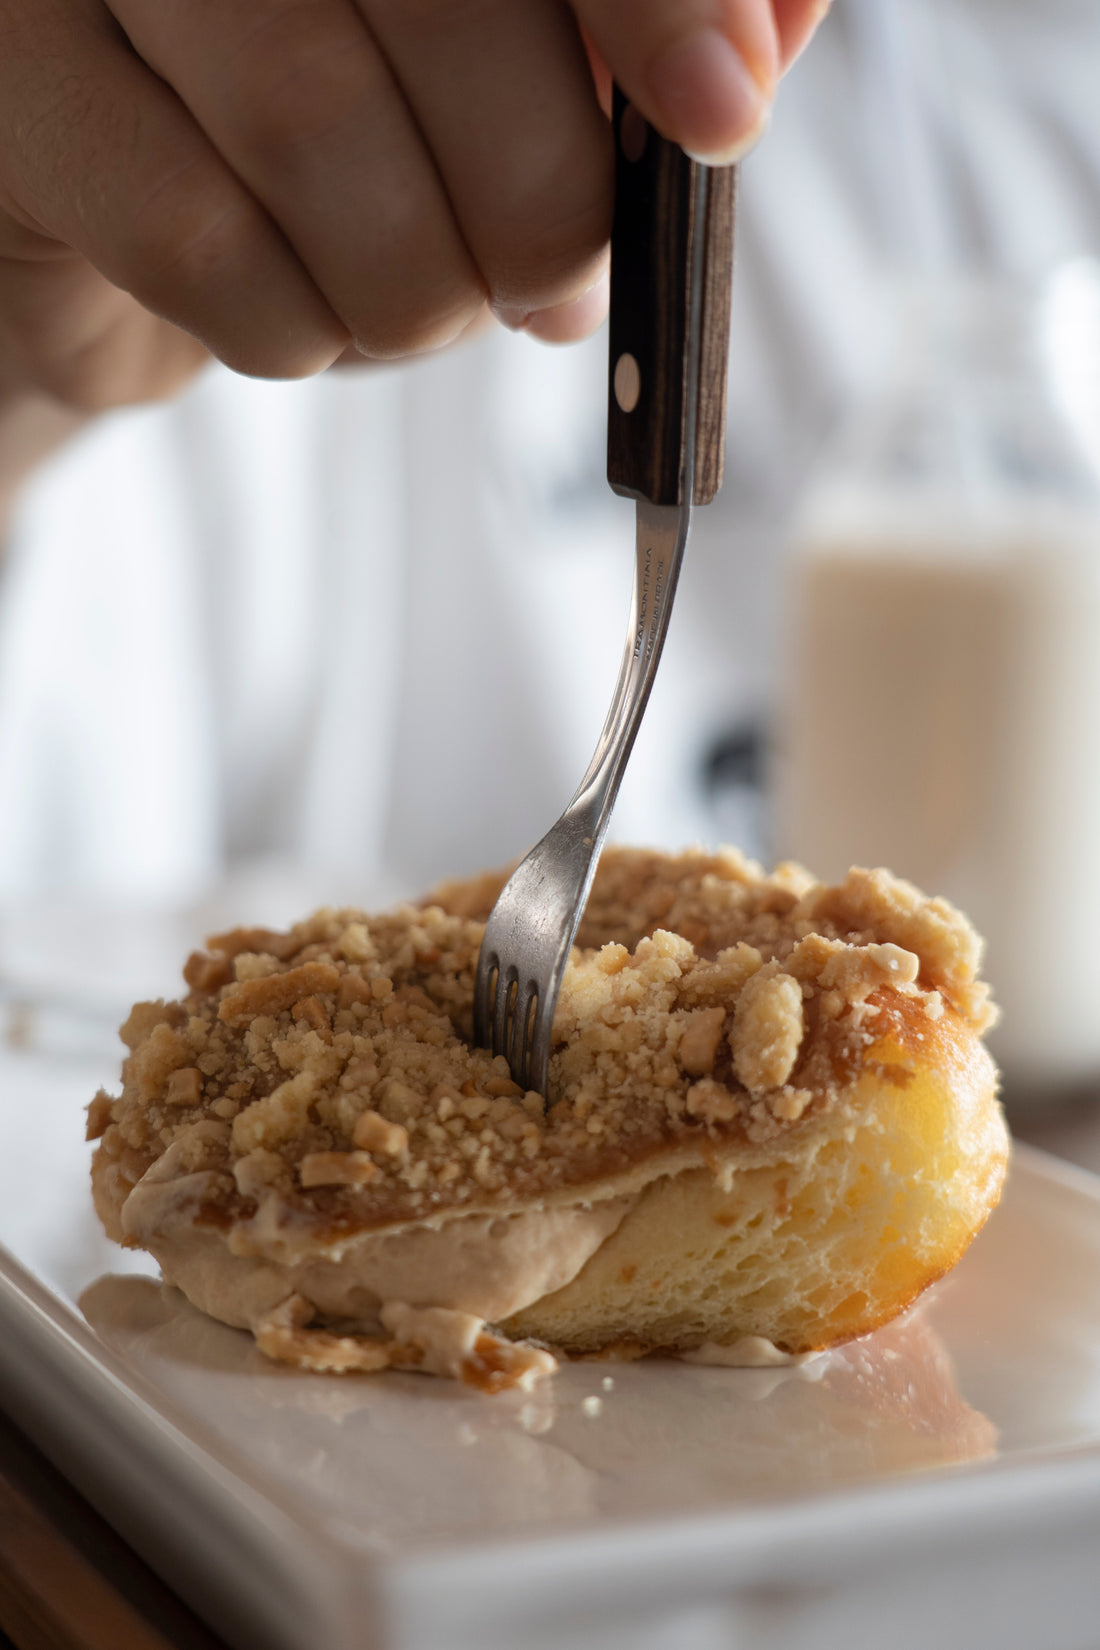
371, 622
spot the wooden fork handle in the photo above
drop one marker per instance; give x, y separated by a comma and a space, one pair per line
669, 212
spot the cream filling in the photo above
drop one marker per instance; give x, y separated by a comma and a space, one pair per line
432, 1286
750, 1352
448, 1341
486, 1265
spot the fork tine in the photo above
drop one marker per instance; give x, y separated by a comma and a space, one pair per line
502, 1002
538, 1052
485, 984
524, 1013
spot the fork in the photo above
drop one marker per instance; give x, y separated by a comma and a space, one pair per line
671, 271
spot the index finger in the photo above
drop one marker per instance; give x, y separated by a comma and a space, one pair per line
702, 71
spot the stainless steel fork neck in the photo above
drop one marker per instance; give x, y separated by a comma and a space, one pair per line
662, 531
531, 928
662, 538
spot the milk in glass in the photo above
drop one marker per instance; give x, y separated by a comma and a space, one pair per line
941, 711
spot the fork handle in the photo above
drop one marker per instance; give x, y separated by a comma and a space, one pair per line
669, 212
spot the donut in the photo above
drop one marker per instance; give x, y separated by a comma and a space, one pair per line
770, 1124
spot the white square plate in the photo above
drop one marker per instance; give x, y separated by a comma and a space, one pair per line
937, 1483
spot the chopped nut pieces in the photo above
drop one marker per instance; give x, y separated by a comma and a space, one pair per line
285, 1336
375, 1133
184, 1087
260, 941
207, 973
767, 1029
699, 1044
334, 1066
337, 1169
433, 1339
274, 993
313, 1011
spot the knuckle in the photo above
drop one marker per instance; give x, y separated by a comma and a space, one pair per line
419, 288
203, 259
298, 75
557, 227
418, 17
75, 121
189, 227
282, 337
266, 357
394, 326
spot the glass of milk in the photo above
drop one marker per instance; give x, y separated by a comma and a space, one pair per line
942, 698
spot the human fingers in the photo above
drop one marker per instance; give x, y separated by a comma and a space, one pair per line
703, 71
796, 21
505, 99
103, 157
482, 322
303, 105
568, 323
66, 332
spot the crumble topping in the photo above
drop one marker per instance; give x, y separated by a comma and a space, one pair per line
434, 1340
767, 1029
331, 1065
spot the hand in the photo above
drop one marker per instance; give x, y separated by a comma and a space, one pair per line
277, 182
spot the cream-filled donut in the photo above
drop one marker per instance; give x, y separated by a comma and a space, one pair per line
770, 1114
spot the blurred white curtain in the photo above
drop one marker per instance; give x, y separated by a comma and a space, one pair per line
371, 622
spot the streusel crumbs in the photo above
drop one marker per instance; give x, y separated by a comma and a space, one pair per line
332, 1063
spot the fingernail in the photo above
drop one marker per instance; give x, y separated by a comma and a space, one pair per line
813, 23
569, 323
736, 151
512, 316
710, 97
